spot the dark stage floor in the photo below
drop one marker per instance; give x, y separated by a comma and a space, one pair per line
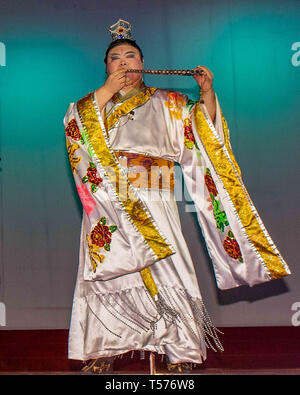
248, 351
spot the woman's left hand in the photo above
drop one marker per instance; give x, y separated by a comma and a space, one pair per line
205, 80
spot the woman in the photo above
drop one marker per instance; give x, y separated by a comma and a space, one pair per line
136, 287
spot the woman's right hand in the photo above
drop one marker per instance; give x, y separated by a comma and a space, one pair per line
115, 81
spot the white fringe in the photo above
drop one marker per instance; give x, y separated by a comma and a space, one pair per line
135, 309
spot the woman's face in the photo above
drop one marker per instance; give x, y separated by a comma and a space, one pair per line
125, 56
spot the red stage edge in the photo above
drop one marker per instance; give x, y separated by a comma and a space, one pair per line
246, 348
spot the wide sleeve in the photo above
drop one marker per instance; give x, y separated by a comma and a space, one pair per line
111, 245
85, 174
241, 250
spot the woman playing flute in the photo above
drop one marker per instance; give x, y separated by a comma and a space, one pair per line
136, 288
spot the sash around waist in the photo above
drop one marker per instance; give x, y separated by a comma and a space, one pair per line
145, 171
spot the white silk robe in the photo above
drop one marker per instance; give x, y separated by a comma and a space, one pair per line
113, 310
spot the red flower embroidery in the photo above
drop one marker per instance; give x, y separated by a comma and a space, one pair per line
73, 131
231, 247
188, 130
93, 176
209, 182
189, 139
101, 235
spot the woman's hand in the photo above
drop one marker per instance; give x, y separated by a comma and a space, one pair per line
113, 84
205, 80
208, 97
115, 81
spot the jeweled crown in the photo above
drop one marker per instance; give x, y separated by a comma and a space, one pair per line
121, 29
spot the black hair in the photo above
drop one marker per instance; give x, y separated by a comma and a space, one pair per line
122, 41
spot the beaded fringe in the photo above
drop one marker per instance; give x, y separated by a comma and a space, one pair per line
139, 312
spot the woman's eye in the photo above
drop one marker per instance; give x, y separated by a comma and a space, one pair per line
131, 56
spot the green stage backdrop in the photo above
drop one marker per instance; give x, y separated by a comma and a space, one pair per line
51, 54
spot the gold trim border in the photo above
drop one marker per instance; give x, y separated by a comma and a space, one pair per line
130, 104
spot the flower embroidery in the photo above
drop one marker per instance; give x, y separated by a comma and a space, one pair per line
189, 139
92, 177
71, 148
209, 182
72, 130
231, 246
229, 243
175, 103
100, 237
95, 256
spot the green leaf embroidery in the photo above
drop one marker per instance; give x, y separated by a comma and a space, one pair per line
189, 144
190, 104
102, 220
86, 141
113, 228
94, 188
220, 216
84, 135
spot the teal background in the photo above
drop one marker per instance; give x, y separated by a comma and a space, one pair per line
54, 56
